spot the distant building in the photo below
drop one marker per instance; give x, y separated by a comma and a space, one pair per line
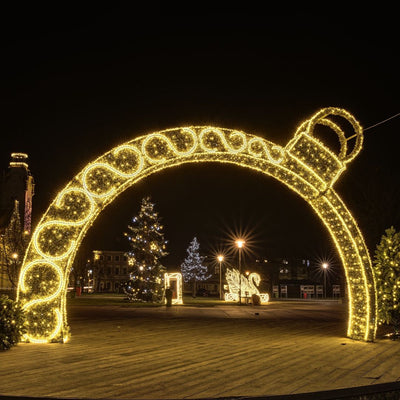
298, 278
17, 183
109, 270
282, 278
16, 189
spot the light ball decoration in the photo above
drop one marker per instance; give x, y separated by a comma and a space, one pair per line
305, 165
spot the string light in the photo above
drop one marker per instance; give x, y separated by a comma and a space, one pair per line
305, 165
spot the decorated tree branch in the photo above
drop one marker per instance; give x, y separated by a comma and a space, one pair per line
12, 319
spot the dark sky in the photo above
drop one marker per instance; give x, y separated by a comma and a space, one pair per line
76, 82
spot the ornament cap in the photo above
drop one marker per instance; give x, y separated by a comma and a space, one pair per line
315, 155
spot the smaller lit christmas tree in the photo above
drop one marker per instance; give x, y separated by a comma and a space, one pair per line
192, 268
387, 277
148, 246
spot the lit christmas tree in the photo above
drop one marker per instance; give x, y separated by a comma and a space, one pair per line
192, 268
387, 277
148, 246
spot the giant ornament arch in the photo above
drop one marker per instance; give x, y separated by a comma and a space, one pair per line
306, 165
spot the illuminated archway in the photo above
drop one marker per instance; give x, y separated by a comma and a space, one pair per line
305, 165
174, 280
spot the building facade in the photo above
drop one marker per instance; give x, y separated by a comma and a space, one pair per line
300, 278
110, 270
282, 278
17, 183
16, 190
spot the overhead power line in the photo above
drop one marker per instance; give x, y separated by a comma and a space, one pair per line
382, 122
373, 126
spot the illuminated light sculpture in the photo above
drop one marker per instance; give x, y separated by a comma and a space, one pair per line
174, 281
247, 285
305, 165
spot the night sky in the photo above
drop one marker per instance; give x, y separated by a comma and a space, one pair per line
77, 82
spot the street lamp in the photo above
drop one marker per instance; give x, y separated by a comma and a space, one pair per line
14, 256
220, 259
325, 267
240, 244
14, 266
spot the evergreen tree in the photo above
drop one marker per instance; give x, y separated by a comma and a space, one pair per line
13, 245
148, 245
192, 268
387, 277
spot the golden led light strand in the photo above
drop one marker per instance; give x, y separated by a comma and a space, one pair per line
305, 165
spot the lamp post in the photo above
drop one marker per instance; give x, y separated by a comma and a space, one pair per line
15, 259
240, 244
220, 259
14, 267
325, 267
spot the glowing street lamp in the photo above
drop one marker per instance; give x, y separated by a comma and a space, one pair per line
14, 257
220, 259
240, 244
325, 268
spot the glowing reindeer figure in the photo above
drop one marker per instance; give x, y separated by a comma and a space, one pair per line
248, 285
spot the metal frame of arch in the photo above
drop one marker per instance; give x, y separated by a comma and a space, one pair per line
305, 165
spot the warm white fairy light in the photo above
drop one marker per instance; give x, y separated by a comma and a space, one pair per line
305, 165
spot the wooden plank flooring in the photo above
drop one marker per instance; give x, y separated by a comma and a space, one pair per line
187, 352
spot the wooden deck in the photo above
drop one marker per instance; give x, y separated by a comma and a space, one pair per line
187, 352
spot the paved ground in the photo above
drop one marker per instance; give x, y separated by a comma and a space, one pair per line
187, 352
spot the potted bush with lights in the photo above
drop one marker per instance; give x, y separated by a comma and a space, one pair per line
387, 278
12, 320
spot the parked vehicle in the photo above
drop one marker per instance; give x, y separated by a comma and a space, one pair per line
203, 292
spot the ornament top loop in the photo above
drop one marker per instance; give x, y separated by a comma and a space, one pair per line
321, 118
